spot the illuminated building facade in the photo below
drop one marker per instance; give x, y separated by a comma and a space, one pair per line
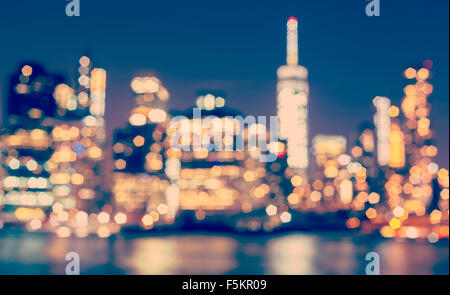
396, 145
364, 151
418, 139
331, 188
51, 149
413, 184
26, 144
382, 122
140, 182
78, 137
368, 177
213, 180
78, 140
216, 177
292, 96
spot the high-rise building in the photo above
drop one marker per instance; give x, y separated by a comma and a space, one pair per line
78, 138
218, 177
414, 188
418, 141
382, 122
140, 181
222, 174
292, 96
51, 146
26, 145
331, 188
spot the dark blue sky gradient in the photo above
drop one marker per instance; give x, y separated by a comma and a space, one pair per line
236, 46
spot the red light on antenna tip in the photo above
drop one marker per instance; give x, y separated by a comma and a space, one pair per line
292, 18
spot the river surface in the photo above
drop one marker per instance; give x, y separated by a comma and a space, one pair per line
214, 253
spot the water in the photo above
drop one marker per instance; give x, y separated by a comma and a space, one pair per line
206, 253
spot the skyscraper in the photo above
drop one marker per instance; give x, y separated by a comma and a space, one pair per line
292, 96
214, 177
382, 122
51, 147
26, 145
139, 180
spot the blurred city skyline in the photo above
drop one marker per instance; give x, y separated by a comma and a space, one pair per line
236, 47
122, 133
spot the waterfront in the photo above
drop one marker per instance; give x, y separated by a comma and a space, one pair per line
214, 253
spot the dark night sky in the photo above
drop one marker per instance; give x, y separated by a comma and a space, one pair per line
236, 46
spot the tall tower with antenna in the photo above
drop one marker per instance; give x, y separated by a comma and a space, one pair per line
292, 96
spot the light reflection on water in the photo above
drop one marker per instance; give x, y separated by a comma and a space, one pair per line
203, 253
291, 255
181, 255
